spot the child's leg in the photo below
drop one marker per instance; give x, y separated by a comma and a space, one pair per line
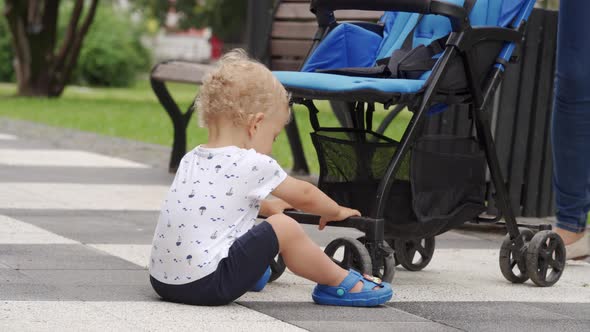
303, 256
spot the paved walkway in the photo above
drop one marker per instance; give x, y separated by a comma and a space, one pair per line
77, 213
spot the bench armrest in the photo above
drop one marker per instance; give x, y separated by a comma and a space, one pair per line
457, 14
413, 6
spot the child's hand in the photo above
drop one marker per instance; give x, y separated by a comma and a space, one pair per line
343, 213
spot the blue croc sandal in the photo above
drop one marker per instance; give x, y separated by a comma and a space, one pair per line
262, 281
340, 295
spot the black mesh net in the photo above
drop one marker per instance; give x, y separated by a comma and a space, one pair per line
439, 185
352, 163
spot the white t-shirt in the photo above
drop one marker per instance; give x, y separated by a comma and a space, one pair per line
214, 199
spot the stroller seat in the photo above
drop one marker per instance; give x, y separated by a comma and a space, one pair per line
331, 86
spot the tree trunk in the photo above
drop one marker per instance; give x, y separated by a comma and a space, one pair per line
33, 24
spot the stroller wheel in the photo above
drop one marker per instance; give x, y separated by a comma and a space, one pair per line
277, 267
414, 255
545, 258
384, 264
349, 253
512, 259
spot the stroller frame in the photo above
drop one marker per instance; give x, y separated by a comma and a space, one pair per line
521, 249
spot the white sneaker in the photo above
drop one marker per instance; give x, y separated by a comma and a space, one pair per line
578, 249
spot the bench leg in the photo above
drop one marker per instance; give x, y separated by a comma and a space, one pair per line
299, 161
342, 110
179, 121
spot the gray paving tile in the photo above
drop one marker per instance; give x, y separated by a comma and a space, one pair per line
537, 325
493, 316
452, 239
42, 135
127, 227
60, 257
89, 277
574, 310
125, 293
88, 175
31, 292
17, 286
307, 311
11, 276
85, 285
331, 326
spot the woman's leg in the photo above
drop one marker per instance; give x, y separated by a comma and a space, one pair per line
571, 121
303, 256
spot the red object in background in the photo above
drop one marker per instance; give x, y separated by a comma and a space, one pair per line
216, 47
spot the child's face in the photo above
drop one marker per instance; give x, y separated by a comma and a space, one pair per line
267, 129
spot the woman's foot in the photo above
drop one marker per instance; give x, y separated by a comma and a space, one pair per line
567, 236
577, 245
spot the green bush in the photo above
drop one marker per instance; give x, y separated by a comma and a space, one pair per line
6, 55
112, 54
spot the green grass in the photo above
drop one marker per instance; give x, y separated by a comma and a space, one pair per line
135, 113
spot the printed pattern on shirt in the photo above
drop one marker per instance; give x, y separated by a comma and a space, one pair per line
214, 199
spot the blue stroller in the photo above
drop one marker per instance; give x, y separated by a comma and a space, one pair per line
424, 55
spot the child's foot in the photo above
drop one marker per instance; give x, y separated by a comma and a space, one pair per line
355, 290
359, 285
261, 283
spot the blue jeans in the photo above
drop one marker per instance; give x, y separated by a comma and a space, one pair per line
571, 116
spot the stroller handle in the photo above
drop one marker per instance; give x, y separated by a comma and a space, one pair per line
360, 223
457, 14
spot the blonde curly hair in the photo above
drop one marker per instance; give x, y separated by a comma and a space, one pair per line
237, 88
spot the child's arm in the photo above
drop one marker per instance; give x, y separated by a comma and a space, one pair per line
269, 207
308, 198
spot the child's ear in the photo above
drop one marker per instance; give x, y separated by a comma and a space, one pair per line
255, 121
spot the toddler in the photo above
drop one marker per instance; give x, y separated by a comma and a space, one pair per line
206, 249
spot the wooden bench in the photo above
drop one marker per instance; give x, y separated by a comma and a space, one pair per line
281, 39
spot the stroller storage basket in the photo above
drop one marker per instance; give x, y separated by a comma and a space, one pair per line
448, 179
439, 185
352, 163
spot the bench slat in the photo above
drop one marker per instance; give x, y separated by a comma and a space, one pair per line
285, 64
298, 48
300, 11
180, 71
294, 30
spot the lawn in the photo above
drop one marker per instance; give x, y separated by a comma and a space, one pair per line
135, 113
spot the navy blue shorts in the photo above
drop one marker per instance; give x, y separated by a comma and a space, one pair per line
247, 260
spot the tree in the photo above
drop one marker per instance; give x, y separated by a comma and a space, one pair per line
42, 68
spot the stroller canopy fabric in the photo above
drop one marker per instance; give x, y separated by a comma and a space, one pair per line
350, 45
